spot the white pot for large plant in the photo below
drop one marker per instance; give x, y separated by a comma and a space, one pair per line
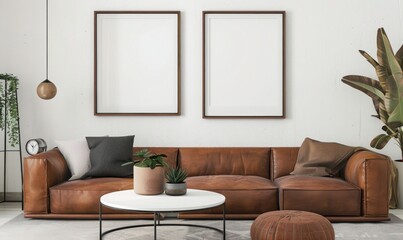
148, 181
399, 166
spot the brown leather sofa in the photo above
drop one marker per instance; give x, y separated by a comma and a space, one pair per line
253, 180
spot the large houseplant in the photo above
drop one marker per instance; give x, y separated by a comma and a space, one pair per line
148, 172
386, 92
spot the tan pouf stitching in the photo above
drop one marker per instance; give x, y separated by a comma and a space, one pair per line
291, 225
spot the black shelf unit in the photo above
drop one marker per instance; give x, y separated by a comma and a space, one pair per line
5, 150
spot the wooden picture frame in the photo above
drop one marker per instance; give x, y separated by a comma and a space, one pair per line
244, 64
137, 63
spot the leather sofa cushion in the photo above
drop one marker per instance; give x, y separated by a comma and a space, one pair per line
225, 161
244, 194
82, 196
322, 195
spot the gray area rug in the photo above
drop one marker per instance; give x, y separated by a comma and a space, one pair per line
21, 228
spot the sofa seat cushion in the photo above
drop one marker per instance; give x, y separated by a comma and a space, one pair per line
244, 194
322, 195
82, 196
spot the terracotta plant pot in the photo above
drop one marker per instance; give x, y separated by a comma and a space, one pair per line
148, 181
175, 189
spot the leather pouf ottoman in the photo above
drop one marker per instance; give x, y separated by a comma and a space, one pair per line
291, 225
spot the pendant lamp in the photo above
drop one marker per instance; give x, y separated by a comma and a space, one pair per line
46, 89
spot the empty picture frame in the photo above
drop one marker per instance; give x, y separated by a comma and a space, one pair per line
244, 64
137, 63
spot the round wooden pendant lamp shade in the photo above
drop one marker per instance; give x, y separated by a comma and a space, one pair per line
46, 89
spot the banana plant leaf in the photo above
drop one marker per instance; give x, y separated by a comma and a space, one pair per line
380, 70
399, 56
373, 62
380, 141
394, 125
385, 54
394, 98
387, 130
366, 85
387, 59
373, 89
394, 86
381, 111
391, 130
387, 93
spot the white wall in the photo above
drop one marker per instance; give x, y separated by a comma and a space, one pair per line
323, 38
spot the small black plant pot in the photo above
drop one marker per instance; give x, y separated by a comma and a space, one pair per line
175, 189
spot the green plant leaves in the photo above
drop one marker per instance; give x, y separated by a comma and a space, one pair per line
387, 93
143, 153
385, 53
380, 141
399, 56
366, 85
145, 158
152, 164
127, 163
391, 72
394, 98
176, 175
380, 70
373, 62
8, 101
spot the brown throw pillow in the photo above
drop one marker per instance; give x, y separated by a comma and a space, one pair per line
322, 158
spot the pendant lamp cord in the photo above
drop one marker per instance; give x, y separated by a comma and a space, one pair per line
47, 36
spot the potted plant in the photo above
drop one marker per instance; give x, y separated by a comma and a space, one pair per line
176, 184
387, 96
386, 93
148, 172
8, 101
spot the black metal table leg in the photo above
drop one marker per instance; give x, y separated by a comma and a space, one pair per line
155, 226
223, 222
100, 220
157, 223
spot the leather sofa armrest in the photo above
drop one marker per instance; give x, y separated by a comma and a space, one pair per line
41, 172
370, 172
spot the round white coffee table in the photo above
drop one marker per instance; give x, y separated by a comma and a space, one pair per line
128, 200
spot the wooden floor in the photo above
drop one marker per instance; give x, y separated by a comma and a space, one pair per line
9, 210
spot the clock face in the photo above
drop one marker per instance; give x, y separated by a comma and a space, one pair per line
32, 147
35, 146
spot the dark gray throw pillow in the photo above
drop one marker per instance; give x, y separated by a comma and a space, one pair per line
107, 154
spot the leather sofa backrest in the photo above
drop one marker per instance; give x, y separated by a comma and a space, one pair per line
225, 161
283, 160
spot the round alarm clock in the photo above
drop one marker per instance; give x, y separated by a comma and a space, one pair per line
35, 146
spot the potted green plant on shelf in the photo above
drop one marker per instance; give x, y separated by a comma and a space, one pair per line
9, 119
176, 184
386, 93
148, 172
